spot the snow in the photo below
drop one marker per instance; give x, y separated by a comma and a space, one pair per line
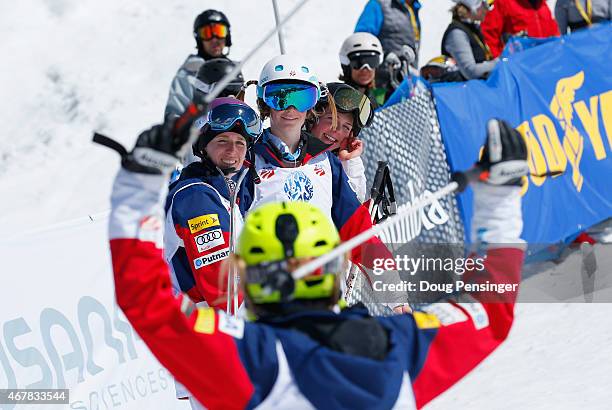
71, 67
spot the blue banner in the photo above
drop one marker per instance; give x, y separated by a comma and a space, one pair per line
558, 95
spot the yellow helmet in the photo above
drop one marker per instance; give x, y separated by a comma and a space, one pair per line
276, 232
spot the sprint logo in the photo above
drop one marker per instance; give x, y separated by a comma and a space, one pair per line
211, 258
203, 222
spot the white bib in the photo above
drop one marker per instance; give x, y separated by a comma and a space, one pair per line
310, 183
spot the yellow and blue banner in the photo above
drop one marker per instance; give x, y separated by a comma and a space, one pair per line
558, 95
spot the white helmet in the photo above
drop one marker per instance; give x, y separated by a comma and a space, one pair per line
359, 42
286, 67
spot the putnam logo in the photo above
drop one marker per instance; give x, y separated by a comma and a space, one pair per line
202, 222
211, 258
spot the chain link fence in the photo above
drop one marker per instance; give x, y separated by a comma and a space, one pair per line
407, 136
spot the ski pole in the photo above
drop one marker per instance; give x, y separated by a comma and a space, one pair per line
232, 74
281, 40
359, 239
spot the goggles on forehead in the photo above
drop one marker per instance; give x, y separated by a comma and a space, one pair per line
351, 100
225, 116
209, 31
368, 60
281, 96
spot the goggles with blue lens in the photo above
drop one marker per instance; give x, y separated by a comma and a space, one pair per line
281, 96
225, 116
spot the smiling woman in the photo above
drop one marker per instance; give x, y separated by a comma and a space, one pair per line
294, 165
198, 222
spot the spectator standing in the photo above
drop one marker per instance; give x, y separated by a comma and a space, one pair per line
463, 40
573, 15
531, 18
211, 30
360, 56
395, 22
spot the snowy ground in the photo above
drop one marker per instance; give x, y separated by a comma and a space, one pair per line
71, 67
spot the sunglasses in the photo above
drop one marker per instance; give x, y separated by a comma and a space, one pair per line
281, 96
223, 117
350, 100
209, 31
364, 60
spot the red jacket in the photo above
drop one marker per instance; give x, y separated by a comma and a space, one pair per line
510, 17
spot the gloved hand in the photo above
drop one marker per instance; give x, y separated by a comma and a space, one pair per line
503, 161
158, 149
393, 61
408, 54
504, 158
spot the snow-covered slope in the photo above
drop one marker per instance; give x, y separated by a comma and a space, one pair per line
70, 67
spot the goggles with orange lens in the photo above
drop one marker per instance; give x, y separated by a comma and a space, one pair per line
209, 31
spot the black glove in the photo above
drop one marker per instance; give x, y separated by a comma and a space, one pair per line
504, 158
160, 148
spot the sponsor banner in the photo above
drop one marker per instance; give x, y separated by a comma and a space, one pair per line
61, 329
558, 95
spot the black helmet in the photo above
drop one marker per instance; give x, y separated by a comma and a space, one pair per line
210, 73
207, 17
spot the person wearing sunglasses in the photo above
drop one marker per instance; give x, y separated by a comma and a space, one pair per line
340, 131
361, 54
463, 41
211, 31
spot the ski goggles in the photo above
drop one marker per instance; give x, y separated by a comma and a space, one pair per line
369, 60
209, 31
281, 96
488, 4
225, 116
350, 100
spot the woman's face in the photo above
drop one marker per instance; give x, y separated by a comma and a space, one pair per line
227, 150
363, 76
323, 128
287, 121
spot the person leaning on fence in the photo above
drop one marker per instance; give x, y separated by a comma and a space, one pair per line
463, 40
360, 57
572, 15
211, 31
353, 112
531, 18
